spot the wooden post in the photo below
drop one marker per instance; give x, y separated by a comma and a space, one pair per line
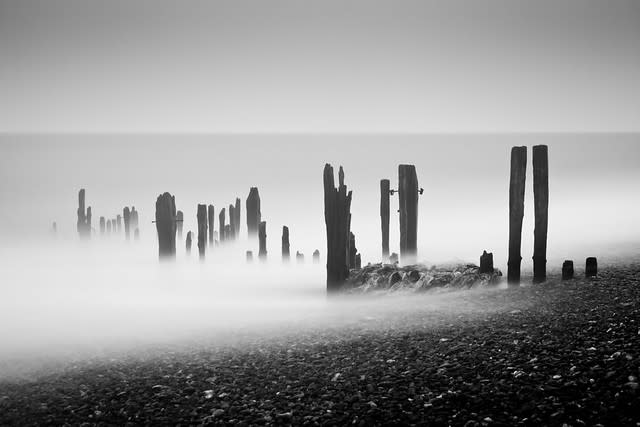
249, 256
188, 242
316, 256
541, 209
253, 212
202, 229
358, 264
84, 217
232, 222
126, 215
136, 234
299, 257
88, 225
166, 225
119, 223
591, 269
567, 270
133, 219
384, 217
408, 196
285, 243
516, 212
210, 217
108, 227
236, 212
227, 232
102, 225
180, 221
262, 236
486, 262
352, 251
221, 225
337, 214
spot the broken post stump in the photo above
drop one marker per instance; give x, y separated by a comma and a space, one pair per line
126, 216
221, 225
541, 211
299, 257
166, 225
236, 223
567, 270
384, 217
202, 229
253, 212
408, 198
486, 262
102, 225
262, 237
188, 242
337, 217
119, 223
591, 268
179, 223
516, 212
249, 256
316, 256
210, 217
108, 227
285, 243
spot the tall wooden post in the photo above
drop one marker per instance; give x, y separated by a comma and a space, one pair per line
180, 221
202, 229
126, 215
188, 242
408, 196
221, 225
88, 225
541, 206
133, 219
337, 214
232, 222
352, 251
119, 223
210, 217
84, 217
516, 212
166, 225
285, 244
262, 236
384, 217
253, 212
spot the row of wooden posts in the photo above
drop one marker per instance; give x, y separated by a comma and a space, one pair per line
107, 226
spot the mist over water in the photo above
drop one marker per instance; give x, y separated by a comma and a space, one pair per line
62, 298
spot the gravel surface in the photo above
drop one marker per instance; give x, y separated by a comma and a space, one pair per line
560, 353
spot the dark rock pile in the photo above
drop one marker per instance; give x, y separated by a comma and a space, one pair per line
385, 278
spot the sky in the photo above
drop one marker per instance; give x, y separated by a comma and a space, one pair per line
241, 66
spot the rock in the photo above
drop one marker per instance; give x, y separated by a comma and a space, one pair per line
394, 278
413, 276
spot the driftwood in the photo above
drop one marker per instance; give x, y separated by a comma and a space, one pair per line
591, 267
516, 212
262, 236
408, 197
285, 243
384, 217
541, 209
253, 212
567, 270
166, 225
210, 217
486, 262
337, 217
202, 229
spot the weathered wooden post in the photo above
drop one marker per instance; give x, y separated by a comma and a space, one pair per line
249, 256
337, 218
102, 225
486, 262
166, 225
180, 221
253, 212
88, 225
188, 242
54, 227
299, 257
262, 236
541, 208
591, 268
236, 223
227, 232
232, 222
221, 225
384, 217
202, 229
126, 215
119, 223
84, 216
567, 270
408, 197
316, 256
352, 251
285, 243
358, 264
516, 212
133, 219
108, 227
210, 217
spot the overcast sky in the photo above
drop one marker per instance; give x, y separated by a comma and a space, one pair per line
319, 66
